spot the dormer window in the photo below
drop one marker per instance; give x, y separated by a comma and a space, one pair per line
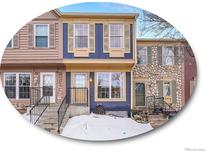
81, 35
10, 44
116, 33
41, 35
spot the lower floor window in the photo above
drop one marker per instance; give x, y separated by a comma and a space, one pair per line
10, 85
17, 85
166, 89
110, 84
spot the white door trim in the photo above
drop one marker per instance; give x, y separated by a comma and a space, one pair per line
53, 98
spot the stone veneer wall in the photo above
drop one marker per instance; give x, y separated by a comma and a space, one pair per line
152, 73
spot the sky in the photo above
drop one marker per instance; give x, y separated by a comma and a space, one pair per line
107, 7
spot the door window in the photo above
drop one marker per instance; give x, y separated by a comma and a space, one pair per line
48, 85
80, 80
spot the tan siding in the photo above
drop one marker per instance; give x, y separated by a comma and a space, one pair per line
24, 38
24, 52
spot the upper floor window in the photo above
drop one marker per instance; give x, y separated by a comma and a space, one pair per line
116, 32
81, 35
168, 55
41, 35
142, 55
10, 44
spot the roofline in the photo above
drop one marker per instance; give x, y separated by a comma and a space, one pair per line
160, 39
57, 12
81, 14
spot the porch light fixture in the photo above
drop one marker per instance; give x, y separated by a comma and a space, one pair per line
91, 80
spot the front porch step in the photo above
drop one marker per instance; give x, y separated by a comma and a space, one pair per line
157, 120
49, 119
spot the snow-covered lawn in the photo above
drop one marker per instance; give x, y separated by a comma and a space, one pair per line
26, 116
103, 127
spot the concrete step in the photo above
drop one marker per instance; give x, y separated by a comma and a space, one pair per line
49, 119
157, 120
156, 117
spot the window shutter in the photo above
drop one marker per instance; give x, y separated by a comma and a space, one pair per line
52, 28
176, 55
106, 37
160, 88
70, 37
159, 54
127, 37
92, 37
16, 40
174, 92
149, 55
30, 36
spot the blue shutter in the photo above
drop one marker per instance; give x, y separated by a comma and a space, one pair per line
65, 38
99, 39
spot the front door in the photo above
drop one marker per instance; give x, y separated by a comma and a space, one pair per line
140, 94
80, 89
48, 85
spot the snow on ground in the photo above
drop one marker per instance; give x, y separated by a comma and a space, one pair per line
26, 116
95, 127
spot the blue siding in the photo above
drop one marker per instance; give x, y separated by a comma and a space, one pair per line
112, 106
68, 81
99, 54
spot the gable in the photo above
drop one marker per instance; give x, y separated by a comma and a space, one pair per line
49, 15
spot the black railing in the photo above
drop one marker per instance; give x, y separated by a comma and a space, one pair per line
75, 96
79, 96
158, 105
169, 110
35, 95
38, 109
62, 110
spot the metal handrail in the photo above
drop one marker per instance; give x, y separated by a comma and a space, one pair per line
162, 107
62, 111
74, 96
38, 109
35, 95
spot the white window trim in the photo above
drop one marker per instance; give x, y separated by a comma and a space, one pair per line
163, 50
146, 55
74, 35
35, 35
123, 29
110, 85
17, 82
12, 44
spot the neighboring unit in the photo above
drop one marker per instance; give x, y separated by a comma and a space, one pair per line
33, 59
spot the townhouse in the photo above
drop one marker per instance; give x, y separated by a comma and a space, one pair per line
159, 71
33, 59
99, 53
